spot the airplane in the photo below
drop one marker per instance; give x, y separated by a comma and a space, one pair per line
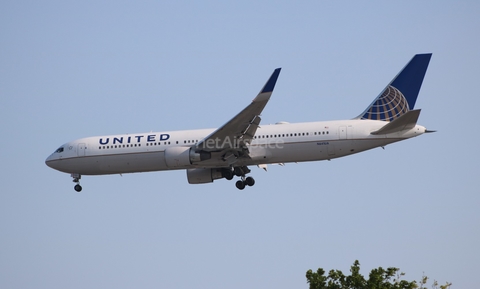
228, 151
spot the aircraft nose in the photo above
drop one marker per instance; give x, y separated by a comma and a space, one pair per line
54, 160
49, 161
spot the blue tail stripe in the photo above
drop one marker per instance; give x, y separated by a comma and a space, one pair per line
410, 79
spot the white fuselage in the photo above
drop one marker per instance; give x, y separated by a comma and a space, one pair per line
279, 143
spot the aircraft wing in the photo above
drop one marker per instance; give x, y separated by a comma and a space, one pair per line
239, 131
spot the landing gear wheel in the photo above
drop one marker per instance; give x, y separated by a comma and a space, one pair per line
76, 180
78, 188
228, 174
249, 181
240, 185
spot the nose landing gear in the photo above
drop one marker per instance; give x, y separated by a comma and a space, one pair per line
76, 179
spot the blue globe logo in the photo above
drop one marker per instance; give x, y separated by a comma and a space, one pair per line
389, 106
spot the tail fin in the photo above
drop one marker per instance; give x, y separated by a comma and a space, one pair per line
401, 93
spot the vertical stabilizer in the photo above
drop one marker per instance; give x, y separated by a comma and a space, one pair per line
401, 93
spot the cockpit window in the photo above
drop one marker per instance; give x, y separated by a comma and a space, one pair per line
59, 150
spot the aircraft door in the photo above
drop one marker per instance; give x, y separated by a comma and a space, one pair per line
349, 132
342, 132
81, 150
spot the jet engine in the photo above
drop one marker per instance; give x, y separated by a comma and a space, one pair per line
178, 157
202, 176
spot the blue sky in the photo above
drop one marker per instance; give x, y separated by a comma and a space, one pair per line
73, 69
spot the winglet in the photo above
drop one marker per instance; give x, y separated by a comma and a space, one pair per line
267, 89
270, 85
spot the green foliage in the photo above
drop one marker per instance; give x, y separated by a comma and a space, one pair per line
379, 278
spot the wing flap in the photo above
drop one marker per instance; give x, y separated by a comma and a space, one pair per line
249, 132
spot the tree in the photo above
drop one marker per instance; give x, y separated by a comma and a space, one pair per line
379, 278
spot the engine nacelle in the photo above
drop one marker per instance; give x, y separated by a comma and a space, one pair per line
199, 156
202, 176
180, 157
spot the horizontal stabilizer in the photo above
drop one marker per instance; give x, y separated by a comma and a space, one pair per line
404, 122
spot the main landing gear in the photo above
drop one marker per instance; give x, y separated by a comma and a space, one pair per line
248, 181
76, 179
239, 172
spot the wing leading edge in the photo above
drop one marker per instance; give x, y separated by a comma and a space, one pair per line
239, 131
